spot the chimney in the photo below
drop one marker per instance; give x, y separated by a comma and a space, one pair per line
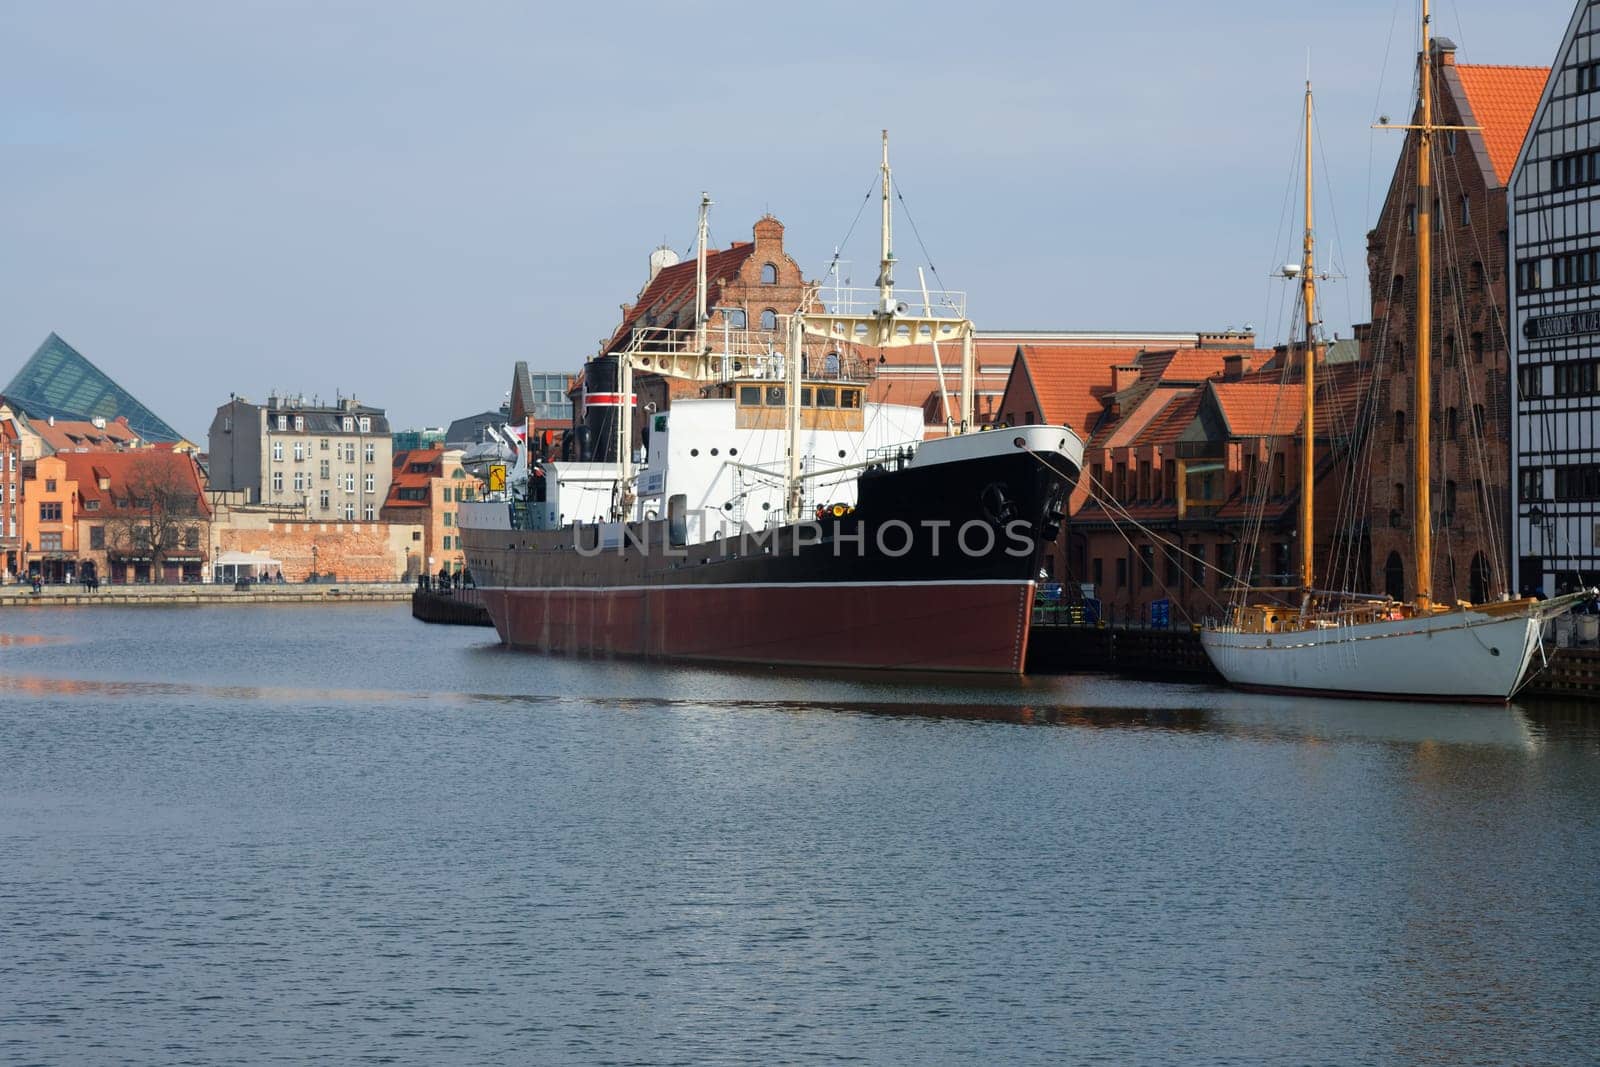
1235, 365
51, 420
1124, 376
1444, 51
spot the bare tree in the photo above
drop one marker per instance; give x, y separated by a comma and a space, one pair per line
157, 510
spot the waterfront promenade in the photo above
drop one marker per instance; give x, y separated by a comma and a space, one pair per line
23, 596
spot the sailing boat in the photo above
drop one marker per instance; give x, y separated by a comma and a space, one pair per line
1372, 646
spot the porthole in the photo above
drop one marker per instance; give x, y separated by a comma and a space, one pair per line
694, 451
733, 451
841, 453
713, 451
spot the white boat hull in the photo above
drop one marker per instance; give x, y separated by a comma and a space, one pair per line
1456, 655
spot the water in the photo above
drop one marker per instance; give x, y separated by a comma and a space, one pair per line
336, 834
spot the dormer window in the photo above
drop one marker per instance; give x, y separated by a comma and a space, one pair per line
348, 424
366, 424
299, 422
283, 422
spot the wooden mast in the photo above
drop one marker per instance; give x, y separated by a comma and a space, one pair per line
1308, 425
1422, 398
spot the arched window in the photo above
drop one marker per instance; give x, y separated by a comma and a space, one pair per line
1448, 518
769, 320
1450, 424
1397, 288
1397, 513
769, 274
1394, 577
1449, 348
736, 318
1478, 575
830, 365
1399, 427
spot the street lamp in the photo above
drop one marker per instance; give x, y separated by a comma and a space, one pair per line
314, 575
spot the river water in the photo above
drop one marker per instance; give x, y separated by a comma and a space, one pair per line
333, 833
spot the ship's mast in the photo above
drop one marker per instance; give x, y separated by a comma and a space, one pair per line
1308, 426
700, 277
886, 242
1422, 506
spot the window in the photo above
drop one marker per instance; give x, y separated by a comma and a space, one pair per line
1587, 77
1122, 482
1578, 482
769, 320
849, 398
1280, 475
349, 482
324, 445
1450, 141
322, 500
277, 451
1577, 378
50, 511
1122, 572
750, 395
1174, 566
1147, 566
1399, 427
1531, 274
827, 397
448, 518
1097, 572
1477, 274
775, 395
97, 537
50, 542
369, 513
1530, 381
1449, 349
1144, 478
277, 481
366, 424
447, 542
769, 274
300, 423
49, 485
299, 451
1411, 218
1530, 483
1477, 346
347, 424
371, 452
350, 512
736, 318
1197, 565
370, 483
283, 422
349, 451
322, 470
299, 481
1450, 424
1228, 556
1448, 518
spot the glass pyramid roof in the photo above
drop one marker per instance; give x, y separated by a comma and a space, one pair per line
59, 381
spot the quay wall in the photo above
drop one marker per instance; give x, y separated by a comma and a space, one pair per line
22, 596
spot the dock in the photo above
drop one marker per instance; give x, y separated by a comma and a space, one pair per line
451, 607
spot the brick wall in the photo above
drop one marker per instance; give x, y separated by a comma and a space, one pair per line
350, 551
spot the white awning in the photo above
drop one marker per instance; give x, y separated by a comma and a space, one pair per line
244, 559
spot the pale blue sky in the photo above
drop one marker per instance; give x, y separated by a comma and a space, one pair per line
400, 198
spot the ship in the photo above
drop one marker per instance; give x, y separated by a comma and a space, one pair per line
782, 516
1311, 639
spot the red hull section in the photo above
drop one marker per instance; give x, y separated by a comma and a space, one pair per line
929, 626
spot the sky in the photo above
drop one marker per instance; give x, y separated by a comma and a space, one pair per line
397, 199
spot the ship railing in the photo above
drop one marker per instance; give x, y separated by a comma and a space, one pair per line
730, 354
892, 457
935, 304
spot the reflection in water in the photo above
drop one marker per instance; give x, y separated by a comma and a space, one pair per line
347, 833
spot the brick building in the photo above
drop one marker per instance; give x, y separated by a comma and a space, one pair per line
425, 492
1470, 358
750, 287
1212, 466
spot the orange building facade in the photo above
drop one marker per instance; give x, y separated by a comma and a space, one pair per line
427, 488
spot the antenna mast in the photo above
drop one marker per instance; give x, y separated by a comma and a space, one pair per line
886, 260
700, 277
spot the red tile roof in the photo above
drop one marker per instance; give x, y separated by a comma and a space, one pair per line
68, 435
120, 469
1257, 409
405, 478
1503, 100
1071, 381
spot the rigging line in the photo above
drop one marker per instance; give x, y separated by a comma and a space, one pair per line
916, 232
841, 245
1341, 265
1377, 103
